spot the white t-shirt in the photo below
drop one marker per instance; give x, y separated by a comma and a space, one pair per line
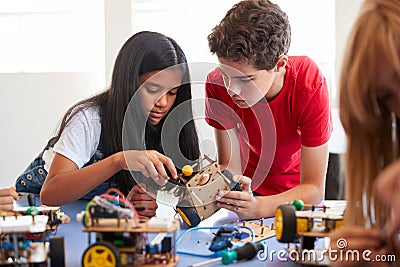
79, 139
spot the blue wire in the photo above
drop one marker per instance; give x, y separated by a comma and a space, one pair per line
195, 228
213, 255
253, 235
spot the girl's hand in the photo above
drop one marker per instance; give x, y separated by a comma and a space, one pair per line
242, 202
7, 197
150, 163
139, 197
388, 189
346, 240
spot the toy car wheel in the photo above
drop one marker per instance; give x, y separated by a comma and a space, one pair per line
308, 242
285, 222
57, 251
188, 213
101, 254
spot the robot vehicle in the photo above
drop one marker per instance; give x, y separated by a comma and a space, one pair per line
26, 236
122, 239
197, 190
302, 224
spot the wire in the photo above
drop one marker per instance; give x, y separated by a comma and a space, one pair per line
212, 255
253, 235
193, 229
214, 228
120, 198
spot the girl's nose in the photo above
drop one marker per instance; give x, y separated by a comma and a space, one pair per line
162, 101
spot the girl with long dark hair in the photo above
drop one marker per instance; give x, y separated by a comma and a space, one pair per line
118, 137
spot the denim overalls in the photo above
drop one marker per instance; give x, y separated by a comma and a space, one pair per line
32, 179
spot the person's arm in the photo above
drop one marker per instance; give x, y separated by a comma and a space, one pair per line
66, 183
388, 189
7, 197
228, 149
310, 190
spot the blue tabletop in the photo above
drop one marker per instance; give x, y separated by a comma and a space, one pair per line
197, 242
192, 246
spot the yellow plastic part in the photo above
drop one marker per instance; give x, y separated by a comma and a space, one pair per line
302, 225
278, 223
184, 217
99, 255
124, 259
187, 170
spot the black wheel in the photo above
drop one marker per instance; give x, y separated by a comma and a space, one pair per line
285, 222
308, 242
40, 264
101, 254
57, 251
188, 213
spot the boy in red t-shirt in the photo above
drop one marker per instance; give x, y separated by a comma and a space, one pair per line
270, 112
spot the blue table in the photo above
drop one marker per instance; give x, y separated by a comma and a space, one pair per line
195, 242
76, 241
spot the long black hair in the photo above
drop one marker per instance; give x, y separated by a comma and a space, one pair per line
142, 53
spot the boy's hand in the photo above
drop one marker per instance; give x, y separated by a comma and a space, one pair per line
241, 202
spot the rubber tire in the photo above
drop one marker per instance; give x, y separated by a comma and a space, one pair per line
288, 224
106, 245
188, 214
308, 242
57, 251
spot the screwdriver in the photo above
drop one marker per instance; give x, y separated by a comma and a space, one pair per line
246, 252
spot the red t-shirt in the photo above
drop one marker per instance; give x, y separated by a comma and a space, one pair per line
271, 133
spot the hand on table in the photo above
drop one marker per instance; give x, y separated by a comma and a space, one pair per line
243, 203
139, 197
7, 197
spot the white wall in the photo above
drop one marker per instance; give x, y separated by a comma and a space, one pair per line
346, 13
31, 105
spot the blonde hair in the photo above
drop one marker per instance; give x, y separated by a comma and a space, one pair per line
367, 123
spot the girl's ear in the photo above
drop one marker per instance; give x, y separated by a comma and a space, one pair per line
281, 64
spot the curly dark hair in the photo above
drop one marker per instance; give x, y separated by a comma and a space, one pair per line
252, 31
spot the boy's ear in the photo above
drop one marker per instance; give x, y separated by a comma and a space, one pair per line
281, 64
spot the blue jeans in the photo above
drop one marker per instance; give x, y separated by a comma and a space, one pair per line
32, 179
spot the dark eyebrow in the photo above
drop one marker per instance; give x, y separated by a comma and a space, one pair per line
236, 77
